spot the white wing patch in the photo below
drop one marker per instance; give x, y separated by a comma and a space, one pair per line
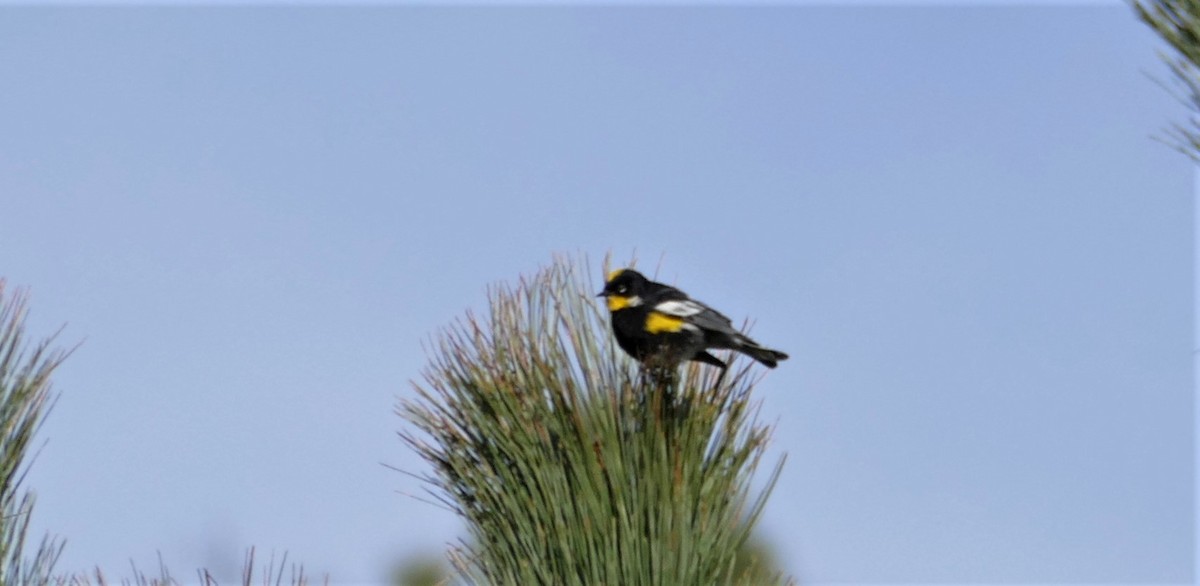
679, 307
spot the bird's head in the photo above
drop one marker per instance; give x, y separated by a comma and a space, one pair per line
623, 288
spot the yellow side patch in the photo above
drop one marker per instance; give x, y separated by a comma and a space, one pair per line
660, 322
617, 303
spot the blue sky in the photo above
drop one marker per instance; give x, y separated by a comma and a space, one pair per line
954, 219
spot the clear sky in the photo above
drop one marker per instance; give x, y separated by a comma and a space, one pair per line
954, 219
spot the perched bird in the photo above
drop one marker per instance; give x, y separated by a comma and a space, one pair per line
658, 324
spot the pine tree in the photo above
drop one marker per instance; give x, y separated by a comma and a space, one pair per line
25, 398
1178, 23
572, 467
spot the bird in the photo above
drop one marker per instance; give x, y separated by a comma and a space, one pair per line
659, 325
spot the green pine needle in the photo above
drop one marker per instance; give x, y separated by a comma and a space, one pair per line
572, 467
1178, 23
25, 399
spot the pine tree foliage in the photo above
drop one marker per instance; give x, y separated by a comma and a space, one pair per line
25, 399
276, 572
569, 464
1178, 23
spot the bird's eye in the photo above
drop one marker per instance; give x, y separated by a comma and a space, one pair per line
622, 289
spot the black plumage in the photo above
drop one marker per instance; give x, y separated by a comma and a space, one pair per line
659, 324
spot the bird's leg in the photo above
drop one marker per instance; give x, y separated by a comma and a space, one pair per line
721, 377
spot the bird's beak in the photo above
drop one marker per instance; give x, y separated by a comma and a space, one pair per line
602, 294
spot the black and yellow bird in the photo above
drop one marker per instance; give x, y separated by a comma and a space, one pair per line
659, 325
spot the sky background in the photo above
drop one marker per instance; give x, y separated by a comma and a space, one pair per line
954, 219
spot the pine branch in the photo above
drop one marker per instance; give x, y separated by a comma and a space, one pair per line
25, 399
1178, 23
569, 466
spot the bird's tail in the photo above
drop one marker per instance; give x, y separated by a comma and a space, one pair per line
770, 358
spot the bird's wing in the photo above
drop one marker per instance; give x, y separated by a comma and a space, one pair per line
695, 313
680, 307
